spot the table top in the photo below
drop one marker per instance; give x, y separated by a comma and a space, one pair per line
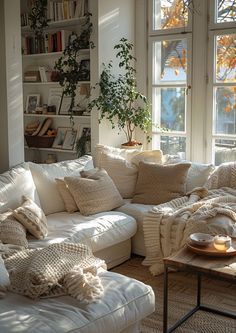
185, 259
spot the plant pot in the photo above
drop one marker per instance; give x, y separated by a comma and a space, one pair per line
132, 145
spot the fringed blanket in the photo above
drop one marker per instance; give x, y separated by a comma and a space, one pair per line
59, 269
167, 226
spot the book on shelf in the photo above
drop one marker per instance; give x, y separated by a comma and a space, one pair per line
65, 10
49, 42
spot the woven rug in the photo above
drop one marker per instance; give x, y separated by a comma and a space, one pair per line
182, 296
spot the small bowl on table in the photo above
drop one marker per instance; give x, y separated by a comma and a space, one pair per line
201, 239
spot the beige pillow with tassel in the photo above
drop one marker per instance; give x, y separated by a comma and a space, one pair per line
67, 197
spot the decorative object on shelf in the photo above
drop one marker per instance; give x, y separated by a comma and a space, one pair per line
68, 65
69, 140
119, 101
38, 17
65, 105
39, 135
32, 101
60, 137
83, 144
84, 70
54, 98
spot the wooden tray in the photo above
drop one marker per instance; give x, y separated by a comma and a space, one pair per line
211, 250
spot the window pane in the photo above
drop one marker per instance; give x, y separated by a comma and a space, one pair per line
169, 14
226, 58
170, 103
173, 145
226, 11
225, 151
225, 106
170, 61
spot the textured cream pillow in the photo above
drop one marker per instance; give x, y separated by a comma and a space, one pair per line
67, 197
122, 172
157, 184
11, 231
94, 194
31, 216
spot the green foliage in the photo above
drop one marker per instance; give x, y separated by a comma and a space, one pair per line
38, 17
119, 101
68, 66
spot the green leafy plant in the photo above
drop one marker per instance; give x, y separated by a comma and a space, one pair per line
119, 101
38, 17
69, 67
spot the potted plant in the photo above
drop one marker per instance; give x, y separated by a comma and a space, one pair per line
69, 68
119, 101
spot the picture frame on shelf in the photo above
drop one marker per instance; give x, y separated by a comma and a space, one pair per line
84, 131
55, 98
84, 70
69, 140
60, 137
65, 105
32, 101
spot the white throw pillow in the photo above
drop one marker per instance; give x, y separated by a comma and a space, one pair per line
13, 184
44, 177
198, 174
148, 156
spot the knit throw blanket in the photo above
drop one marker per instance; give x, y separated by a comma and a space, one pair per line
59, 269
167, 226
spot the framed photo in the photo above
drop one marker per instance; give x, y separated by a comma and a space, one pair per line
69, 140
54, 98
31, 102
60, 137
84, 70
84, 132
65, 105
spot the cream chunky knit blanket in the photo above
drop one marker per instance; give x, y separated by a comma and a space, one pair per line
167, 226
59, 269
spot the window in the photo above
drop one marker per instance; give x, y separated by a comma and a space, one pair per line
175, 56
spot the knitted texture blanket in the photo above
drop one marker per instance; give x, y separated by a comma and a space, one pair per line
59, 269
167, 226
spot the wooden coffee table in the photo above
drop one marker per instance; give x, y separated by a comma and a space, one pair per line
217, 268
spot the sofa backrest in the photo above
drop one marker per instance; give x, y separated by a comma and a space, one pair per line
14, 184
44, 178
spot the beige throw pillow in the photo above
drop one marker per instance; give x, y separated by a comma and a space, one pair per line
148, 156
157, 184
31, 216
94, 194
67, 197
11, 231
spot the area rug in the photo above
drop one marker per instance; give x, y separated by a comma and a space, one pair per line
182, 296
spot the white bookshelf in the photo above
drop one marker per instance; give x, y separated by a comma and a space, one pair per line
47, 60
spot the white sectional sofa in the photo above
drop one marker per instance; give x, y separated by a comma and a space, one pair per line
111, 235
125, 301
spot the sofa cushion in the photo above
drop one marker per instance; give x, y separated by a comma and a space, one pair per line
13, 184
31, 216
44, 177
138, 212
67, 197
94, 192
11, 231
160, 183
148, 156
98, 231
125, 302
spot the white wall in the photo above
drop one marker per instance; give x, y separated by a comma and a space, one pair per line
11, 105
115, 19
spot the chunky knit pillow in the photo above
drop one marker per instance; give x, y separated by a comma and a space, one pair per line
94, 192
11, 231
31, 216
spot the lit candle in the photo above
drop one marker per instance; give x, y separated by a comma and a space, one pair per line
222, 242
